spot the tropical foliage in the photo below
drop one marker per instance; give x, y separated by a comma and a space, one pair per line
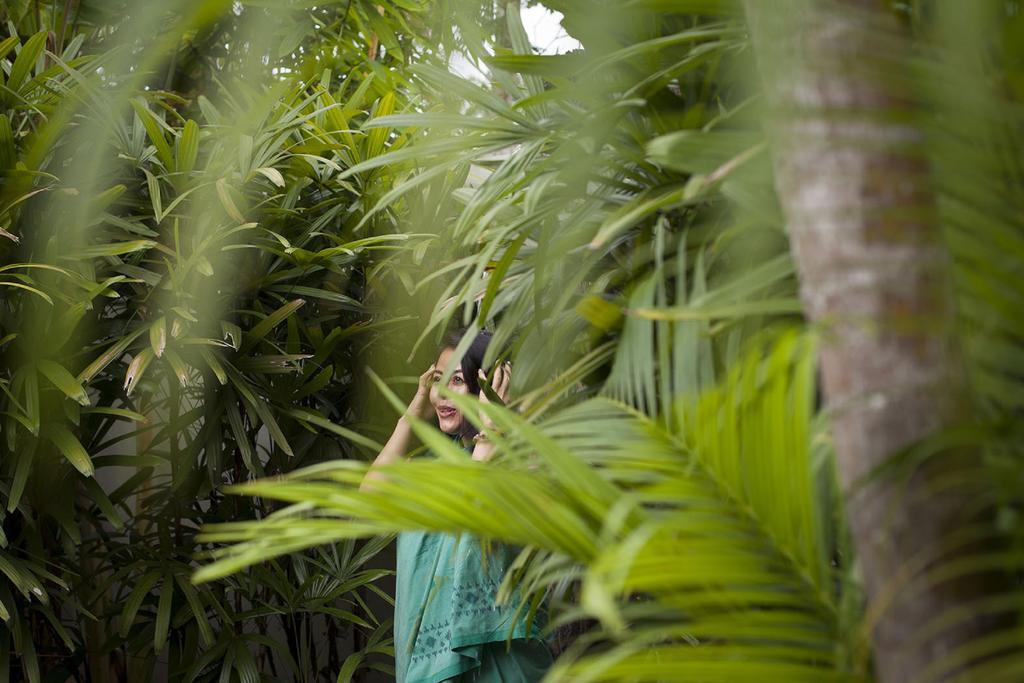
669, 467
201, 253
188, 290
637, 291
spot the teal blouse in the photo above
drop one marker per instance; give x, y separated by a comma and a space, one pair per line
447, 624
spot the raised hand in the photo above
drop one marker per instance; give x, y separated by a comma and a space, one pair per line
499, 385
420, 405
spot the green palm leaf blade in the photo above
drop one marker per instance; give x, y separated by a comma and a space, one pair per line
23, 64
163, 612
722, 548
72, 449
155, 133
135, 599
63, 380
684, 663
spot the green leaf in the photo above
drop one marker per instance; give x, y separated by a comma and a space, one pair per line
198, 611
116, 412
224, 195
350, 666
20, 577
99, 496
628, 215
498, 274
521, 45
271, 174
787, 306
691, 151
342, 300
336, 121
163, 613
70, 447
232, 332
712, 7
306, 415
155, 133
261, 329
377, 136
23, 64
114, 248
115, 351
7, 44
188, 147
599, 312
244, 663
158, 336
22, 469
214, 364
134, 601
153, 185
29, 660
27, 288
136, 369
178, 366
263, 409
30, 391
8, 151
238, 430
63, 380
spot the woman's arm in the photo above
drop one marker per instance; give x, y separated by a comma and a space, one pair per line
398, 444
483, 449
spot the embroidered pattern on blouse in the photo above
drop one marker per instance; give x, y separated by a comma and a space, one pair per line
471, 599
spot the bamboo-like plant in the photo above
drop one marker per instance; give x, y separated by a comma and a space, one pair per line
187, 289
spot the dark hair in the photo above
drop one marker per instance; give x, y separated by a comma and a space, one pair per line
473, 359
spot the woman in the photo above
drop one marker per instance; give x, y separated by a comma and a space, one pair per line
447, 624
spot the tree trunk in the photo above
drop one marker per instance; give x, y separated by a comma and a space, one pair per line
854, 180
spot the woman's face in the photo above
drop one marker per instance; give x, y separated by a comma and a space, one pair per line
449, 419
